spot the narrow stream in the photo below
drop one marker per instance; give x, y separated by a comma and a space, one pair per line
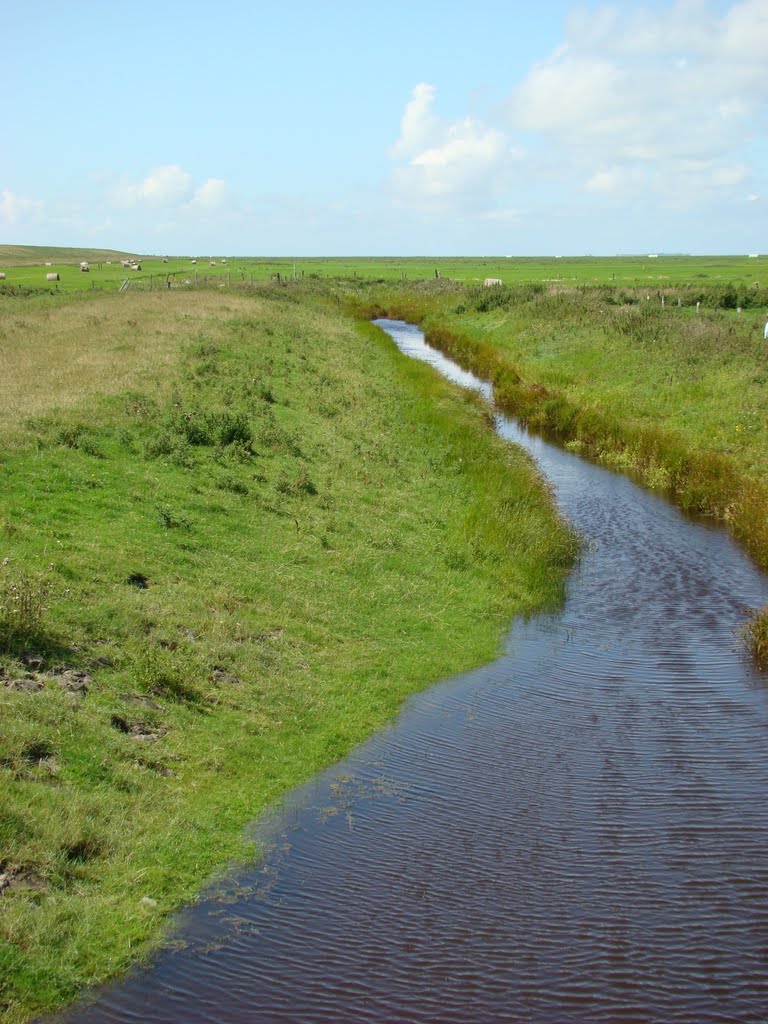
576, 833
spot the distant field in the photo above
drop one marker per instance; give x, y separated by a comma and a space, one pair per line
25, 266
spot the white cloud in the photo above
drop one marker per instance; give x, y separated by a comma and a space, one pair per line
211, 195
418, 125
667, 96
18, 210
164, 186
458, 165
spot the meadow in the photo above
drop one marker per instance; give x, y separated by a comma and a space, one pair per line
237, 529
673, 394
25, 268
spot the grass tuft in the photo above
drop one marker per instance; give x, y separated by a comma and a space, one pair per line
755, 633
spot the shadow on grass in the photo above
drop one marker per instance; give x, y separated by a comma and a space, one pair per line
28, 647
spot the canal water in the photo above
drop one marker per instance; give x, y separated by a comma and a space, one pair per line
576, 833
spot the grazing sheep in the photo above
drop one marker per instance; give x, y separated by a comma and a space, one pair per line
2, 277
85, 268
490, 282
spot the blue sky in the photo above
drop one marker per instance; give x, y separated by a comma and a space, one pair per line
347, 128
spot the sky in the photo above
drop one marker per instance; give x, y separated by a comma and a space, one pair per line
432, 128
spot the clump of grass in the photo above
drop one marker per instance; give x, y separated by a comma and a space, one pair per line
81, 438
755, 633
170, 519
23, 597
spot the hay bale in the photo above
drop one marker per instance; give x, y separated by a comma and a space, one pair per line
52, 277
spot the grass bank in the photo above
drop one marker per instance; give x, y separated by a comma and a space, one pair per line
231, 543
672, 394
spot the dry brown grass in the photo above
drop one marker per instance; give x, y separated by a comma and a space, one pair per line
54, 357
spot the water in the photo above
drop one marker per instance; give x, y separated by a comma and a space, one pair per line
575, 833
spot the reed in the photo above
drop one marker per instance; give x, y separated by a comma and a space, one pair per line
755, 633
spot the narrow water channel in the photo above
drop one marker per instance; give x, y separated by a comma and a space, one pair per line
576, 833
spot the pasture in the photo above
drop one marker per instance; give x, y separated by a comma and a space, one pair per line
25, 267
236, 531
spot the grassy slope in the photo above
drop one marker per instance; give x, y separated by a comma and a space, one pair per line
674, 396
324, 527
38, 255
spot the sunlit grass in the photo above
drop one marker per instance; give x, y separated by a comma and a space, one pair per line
258, 528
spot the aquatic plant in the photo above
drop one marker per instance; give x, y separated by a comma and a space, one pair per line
755, 633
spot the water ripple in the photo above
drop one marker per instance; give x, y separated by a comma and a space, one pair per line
575, 834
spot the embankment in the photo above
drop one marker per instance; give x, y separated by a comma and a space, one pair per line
232, 544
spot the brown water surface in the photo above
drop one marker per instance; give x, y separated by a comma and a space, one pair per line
576, 833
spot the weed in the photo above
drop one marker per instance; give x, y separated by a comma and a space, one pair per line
81, 438
755, 633
23, 597
170, 519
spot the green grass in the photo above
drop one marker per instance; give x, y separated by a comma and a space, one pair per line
755, 633
673, 395
24, 267
257, 536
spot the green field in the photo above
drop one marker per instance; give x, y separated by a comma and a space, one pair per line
674, 394
255, 528
24, 266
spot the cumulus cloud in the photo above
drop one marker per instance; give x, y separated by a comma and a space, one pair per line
418, 126
666, 103
211, 195
17, 210
458, 164
164, 186
665, 97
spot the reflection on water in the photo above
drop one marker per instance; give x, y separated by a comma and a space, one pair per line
575, 833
